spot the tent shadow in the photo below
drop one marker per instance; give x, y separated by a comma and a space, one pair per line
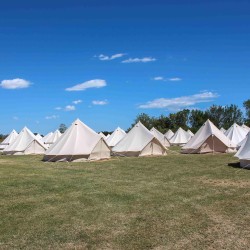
237, 165
234, 165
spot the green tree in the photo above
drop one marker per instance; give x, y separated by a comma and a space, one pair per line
62, 128
145, 119
196, 119
162, 123
232, 114
180, 119
246, 105
216, 115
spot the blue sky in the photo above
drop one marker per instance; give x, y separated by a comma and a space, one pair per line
107, 61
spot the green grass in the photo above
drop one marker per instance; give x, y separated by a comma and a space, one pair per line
172, 202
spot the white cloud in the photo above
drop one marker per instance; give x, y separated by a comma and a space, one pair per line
96, 102
51, 117
137, 60
58, 108
180, 102
77, 102
15, 84
70, 108
161, 78
96, 83
158, 78
174, 79
109, 58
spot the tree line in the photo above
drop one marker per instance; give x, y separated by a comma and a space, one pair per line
221, 116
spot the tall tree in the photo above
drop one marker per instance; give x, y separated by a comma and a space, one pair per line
62, 128
145, 119
232, 114
163, 123
216, 115
196, 119
180, 119
246, 105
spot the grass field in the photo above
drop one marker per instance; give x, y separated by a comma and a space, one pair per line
172, 202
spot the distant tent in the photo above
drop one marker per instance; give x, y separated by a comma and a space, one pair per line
181, 137
222, 130
161, 137
39, 137
242, 142
208, 139
169, 134
244, 153
8, 140
190, 132
139, 141
53, 137
25, 143
236, 133
115, 137
46, 137
103, 135
108, 135
78, 143
245, 127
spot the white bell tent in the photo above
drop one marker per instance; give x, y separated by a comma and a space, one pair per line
208, 139
244, 153
115, 137
78, 143
169, 134
236, 133
139, 141
180, 137
8, 140
161, 137
25, 143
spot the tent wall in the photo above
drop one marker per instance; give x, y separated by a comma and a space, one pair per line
101, 151
153, 148
245, 163
212, 144
34, 148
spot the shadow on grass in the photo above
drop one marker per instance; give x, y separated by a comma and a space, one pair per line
234, 165
237, 165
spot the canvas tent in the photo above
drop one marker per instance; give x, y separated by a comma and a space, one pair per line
139, 142
245, 127
46, 137
169, 134
115, 137
161, 137
181, 137
242, 142
8, 140
39, 137
190, 132
236, 133
53, 137
103, 135
208, 139
78, 143
244, 153
222, 130
25, 143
